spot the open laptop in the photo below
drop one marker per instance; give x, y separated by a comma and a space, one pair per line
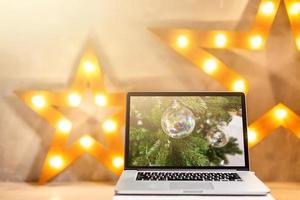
189, 143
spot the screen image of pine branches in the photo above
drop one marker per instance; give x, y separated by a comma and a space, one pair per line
150, 146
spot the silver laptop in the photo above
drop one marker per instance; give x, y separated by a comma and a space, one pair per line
188, 143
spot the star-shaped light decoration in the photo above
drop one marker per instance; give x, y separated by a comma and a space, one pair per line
191, 44
88, 78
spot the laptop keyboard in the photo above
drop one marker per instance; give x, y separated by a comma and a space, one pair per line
187, 176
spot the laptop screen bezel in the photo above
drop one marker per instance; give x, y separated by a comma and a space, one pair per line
244, 119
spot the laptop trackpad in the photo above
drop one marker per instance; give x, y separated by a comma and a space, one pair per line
192, 186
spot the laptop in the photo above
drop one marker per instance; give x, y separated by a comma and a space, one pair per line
187, 143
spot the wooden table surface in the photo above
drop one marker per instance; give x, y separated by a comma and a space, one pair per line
103, 191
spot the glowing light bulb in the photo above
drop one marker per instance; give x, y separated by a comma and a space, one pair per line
239, 86
100, 100
38, 101
118, 162
74, 99
295, 8
86, 142
220, 40
109, 126
182, 41
256, 41
89, 67
267, 8
56, 162
210, 66
280, 113
298, 42
64, 125
251, 136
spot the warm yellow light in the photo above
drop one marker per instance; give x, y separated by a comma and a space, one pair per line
220, 40
295, 8
118, 162
239, 86
252, 136
64, 126
182, 41
210, 66
109, 126
89, 67
100, 100
298, 42
56, 162
74, 99
267, 8
86, 142
256, 41
38, 101
280, 113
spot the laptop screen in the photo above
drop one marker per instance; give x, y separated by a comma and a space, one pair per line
186, 131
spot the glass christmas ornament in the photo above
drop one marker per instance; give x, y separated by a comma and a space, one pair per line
217, 139
178, 121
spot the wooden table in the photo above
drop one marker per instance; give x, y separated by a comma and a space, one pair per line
102, 191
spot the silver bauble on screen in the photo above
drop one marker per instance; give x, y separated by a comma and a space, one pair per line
178, 121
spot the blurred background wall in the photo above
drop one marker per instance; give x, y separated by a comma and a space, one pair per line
41, 41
